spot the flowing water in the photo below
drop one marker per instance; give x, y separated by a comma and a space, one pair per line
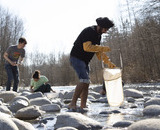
107, 120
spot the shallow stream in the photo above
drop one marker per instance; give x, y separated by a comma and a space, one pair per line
107, 120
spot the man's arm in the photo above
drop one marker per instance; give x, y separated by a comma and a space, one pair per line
102, 56
7, 59
87, 46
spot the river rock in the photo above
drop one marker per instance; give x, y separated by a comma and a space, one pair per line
57, 101
94, 94
68, 95
152, 101
28, 113
133, 93
5, 109
67, 128
147, 124
122, 123
76, 120
19, 97
50, 108
40, 101
7, 124
22, 125
151, 110
8, 95
61, 95
18, 104
25, 93
96, 88
130, 99
35, 95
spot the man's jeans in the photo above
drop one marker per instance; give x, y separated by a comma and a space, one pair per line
13, 74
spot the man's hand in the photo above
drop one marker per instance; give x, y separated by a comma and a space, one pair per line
111, 65
13, 63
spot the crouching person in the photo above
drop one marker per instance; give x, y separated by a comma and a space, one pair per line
39, 83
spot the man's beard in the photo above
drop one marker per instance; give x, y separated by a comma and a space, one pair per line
100, 30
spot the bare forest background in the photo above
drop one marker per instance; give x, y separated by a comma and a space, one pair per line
137, 39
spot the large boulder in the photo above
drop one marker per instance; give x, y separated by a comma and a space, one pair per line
18, 104
7, 124
94, 94
68, 95
133, 93
152, 101
147, 124
67, 128
151, 110
28, 113
5, 109
76, 120
122, 124
22, 125
40, 101
19, 97
8, 95
34, 95
50, 108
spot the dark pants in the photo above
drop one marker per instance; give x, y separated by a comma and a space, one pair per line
44, 88
13, 75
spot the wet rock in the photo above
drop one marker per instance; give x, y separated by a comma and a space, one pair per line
147, 124
1, 100
151, 110
66, 101
5, 109
94, 94
106, 112
22, 125
115, 111
68, 95
101, 100
67, 128
57, 101
40, 101
18, 104
76, 120
90, 97
130, 99
19, 97
7, 124
133, 106
133, 93
25, 93
28, 113
50, 108
122, 123
152, 101
8, 95
35, 95
96, 88
61, 95
147, 99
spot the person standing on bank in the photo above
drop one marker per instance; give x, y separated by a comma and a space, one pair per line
86, 45
14, 56
39, 83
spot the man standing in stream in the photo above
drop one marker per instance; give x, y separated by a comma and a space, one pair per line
14, 56
86, 45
